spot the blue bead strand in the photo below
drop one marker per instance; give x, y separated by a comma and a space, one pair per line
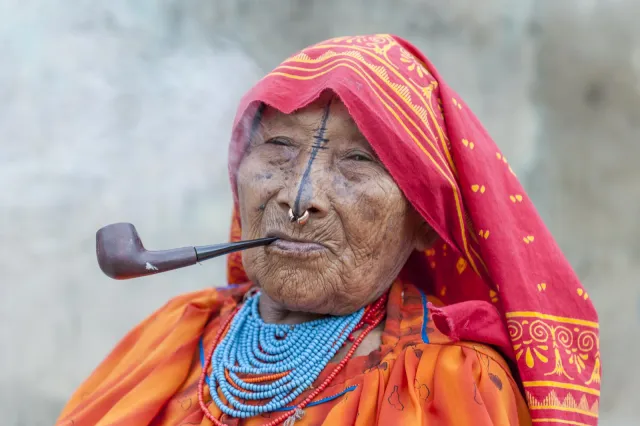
255, 348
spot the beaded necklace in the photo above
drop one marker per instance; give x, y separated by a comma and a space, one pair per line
275, 363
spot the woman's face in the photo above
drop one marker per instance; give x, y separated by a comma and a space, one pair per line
360, 230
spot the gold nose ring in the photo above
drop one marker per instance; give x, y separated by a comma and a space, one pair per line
301, 220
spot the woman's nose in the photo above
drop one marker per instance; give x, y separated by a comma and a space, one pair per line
308, 196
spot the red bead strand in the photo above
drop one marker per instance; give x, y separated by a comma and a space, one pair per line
203, 375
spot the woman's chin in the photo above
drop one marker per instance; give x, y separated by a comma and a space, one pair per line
295, 298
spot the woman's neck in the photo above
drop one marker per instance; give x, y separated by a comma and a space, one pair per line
274, 313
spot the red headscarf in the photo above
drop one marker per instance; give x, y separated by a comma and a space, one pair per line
496, 268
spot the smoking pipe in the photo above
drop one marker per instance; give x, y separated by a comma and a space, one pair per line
121, 254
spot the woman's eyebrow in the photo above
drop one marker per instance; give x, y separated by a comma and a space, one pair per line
280, 121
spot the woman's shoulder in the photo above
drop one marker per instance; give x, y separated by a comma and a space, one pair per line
475, 376
160, 349
457, 383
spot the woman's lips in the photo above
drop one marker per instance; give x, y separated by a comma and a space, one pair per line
285, 245
294, 247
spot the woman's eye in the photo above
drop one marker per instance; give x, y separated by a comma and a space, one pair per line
356, 156
278, 141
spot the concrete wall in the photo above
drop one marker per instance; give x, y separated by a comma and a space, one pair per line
121, 111
587, 180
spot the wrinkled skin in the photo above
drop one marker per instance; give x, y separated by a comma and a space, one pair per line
358, 214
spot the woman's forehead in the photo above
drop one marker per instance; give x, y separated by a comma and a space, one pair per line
330, 112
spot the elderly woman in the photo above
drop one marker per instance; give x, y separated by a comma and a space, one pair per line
412, 281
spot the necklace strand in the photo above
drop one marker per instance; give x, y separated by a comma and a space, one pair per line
253, 348
372, 316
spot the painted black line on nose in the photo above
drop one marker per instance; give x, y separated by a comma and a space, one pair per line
320, 141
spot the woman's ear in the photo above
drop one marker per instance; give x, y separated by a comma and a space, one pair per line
427, 236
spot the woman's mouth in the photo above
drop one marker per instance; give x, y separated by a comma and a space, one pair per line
285, 245
296, 246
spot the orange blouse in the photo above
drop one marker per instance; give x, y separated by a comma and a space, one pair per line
417, 377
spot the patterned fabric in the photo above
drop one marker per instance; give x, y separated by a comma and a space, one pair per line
496, 267
495, 277
151, 377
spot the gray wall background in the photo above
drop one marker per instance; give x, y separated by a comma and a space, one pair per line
121, 111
